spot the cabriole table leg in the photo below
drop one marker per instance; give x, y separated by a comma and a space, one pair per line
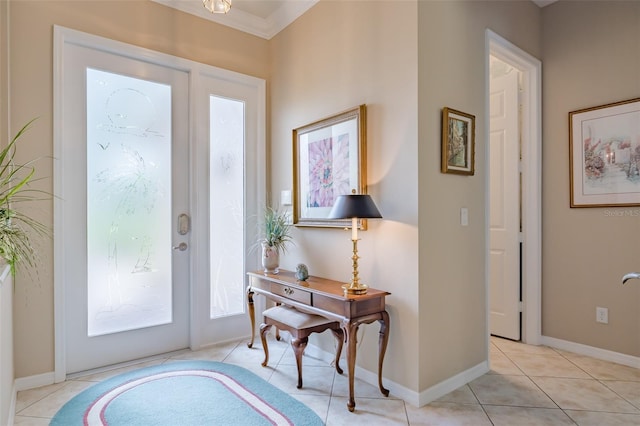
252, 316
382, 348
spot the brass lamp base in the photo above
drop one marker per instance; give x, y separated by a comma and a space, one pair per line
352, 289
355, 287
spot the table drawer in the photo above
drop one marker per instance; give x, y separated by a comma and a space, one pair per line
291, 293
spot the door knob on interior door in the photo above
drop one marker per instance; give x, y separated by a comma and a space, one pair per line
182, 247
631, 276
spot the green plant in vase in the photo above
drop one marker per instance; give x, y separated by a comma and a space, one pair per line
15, 227
276, 235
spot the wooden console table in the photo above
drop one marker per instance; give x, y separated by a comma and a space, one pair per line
325, 297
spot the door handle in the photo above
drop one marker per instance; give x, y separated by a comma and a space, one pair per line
182, 246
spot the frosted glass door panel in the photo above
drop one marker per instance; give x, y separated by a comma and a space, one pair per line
128, 203
226, 210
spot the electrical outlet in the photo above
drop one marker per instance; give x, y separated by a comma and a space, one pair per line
602, 315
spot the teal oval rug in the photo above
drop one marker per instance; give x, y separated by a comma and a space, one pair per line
185, 393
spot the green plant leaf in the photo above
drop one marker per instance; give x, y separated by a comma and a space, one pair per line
17, 228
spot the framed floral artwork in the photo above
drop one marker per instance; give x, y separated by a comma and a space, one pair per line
604, 157
458, 142
329, 159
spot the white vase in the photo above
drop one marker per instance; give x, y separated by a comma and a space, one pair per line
270, 259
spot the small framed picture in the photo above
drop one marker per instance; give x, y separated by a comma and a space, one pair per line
604, 158
458, 142
329, 160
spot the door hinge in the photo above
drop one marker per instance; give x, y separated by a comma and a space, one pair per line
519, 306
520, 237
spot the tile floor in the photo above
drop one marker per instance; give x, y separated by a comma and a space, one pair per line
527, 385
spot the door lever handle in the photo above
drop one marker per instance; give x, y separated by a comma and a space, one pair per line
630, 276
182, 246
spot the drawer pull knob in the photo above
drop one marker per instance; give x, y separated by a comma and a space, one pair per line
288, 291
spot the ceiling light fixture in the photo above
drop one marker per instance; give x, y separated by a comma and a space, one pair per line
217, 6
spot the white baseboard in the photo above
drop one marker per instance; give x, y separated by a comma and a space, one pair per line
452, 383
31, 382
579, 348
395, 389
12, 404
414, 398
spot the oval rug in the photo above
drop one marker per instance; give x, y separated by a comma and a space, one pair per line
185, 393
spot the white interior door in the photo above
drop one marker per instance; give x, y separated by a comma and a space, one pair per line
504, 212
125, 150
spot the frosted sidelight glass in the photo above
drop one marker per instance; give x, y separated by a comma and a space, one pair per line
226, 195
128, 203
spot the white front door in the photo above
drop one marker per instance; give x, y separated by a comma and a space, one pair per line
160, 174
504, 212
126, 184
229, 166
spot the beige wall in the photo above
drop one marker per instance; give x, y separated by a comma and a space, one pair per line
142, 23
451, 50
591, 58
335, 57
395, 63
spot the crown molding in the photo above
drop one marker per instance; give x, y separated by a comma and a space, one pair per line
244, 21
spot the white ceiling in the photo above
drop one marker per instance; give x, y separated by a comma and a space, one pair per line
262, 18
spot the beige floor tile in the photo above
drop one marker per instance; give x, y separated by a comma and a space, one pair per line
582, 394
447, 414
315, 380
30, 421
210, 353
604, 370
462, 395
245, 355
509, 396
509, 390
551, 365
590, 418
509, 346
27, 397
289, 358
501, 364
510, 416
50, 404
368, 412
628, 390
361, 388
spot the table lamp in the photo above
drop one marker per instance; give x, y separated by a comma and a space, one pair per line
354, 207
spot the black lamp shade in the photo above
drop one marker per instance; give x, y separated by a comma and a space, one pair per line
352, 205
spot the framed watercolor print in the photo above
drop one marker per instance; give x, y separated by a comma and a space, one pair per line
604, 155
458, 142
329, 159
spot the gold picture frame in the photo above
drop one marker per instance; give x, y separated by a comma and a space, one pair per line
458, 142
329, 159
604, 155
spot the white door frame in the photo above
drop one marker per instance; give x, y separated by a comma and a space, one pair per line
258, 184
531, 133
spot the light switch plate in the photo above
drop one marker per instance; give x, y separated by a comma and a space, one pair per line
285, 198
464, 216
